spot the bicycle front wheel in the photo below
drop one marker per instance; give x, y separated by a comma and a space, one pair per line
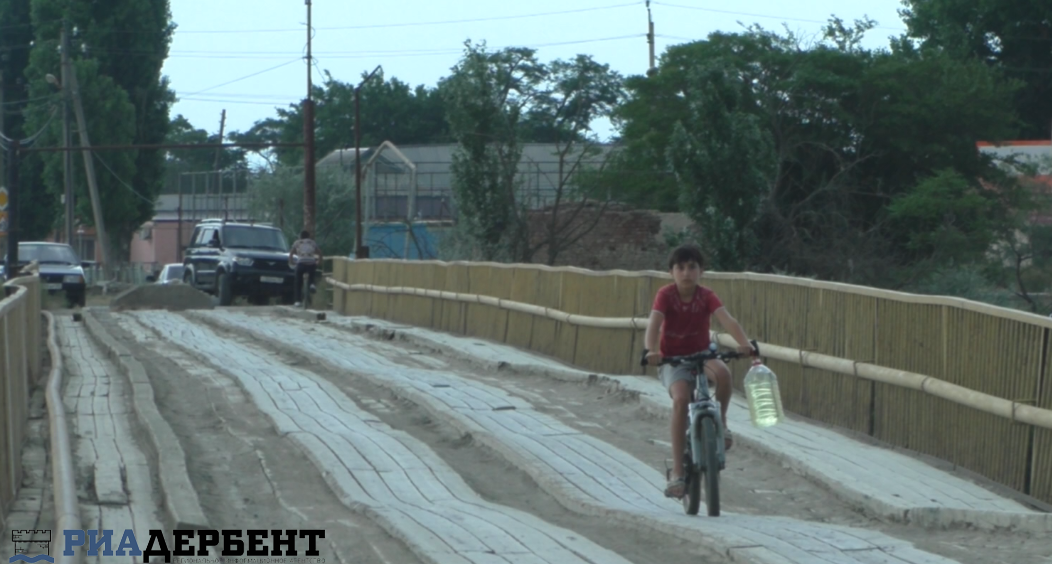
711, 475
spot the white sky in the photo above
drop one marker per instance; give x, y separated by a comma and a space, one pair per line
219, 44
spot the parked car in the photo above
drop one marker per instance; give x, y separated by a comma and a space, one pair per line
61, 270
170, 274
230, 259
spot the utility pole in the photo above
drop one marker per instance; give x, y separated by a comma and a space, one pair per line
3, 156
651, 70
2, 112
11, 268
67, 138
361, 251
308, 139
89, 167
219, 153
222, 131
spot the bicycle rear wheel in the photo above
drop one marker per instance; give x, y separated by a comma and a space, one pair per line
711, 473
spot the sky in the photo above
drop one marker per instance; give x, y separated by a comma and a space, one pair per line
249, 56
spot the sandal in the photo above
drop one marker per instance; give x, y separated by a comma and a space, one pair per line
675, 488
728, 440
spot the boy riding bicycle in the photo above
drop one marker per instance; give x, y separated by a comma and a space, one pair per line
305, 255
681, 315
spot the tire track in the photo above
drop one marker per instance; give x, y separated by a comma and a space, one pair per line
587, 474
377, 470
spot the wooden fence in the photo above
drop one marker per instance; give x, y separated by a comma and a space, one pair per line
995, 351
20, 367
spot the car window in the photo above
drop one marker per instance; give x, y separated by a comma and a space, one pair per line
174, 272
199, 237
254, 238
47, 254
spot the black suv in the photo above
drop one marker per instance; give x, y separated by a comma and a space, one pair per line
230, 259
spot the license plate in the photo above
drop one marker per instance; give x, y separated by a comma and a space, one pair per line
55, 286
271, 279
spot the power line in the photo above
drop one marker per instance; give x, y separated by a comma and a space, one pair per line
119, 179
245, 77
356, 54
366, 26
751, 15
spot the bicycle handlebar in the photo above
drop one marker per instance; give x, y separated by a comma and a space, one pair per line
700, 357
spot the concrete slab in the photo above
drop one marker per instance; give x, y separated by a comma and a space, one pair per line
585, 474
886, 482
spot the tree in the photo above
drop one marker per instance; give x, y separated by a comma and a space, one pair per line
37, 206
724, 162
851, 130
182, 132
575, 93
276, 197
495, 102
487, 98
16, 35
390, 110
1013, 36
124, 96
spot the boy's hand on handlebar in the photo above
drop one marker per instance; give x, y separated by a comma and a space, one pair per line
654, 358
746, 350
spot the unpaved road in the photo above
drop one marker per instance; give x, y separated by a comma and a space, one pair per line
287, 423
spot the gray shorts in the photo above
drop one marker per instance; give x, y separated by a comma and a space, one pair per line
671, 374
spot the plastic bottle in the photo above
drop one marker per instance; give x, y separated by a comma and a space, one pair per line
765, 401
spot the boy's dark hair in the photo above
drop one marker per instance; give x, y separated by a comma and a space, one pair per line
686, 253
304, 234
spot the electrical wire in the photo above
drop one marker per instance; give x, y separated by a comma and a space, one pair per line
245, 77
766, 16
119, 179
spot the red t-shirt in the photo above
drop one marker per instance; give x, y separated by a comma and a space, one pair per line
686, 327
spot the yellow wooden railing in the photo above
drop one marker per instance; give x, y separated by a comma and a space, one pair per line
20, 367
963, 381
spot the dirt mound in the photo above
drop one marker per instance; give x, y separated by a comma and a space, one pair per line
171, 297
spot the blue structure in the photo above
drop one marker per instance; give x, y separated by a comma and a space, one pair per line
388, 240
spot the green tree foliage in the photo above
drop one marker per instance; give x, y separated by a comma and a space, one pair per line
488, 97
496, 101
182, 132
390, 111
37, 206
1013, 36
850, 130
277, 197
724, 161
16, 35
118, 49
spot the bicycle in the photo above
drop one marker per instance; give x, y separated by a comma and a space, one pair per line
704, 456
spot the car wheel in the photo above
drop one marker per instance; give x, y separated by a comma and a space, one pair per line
188, 279
224, 290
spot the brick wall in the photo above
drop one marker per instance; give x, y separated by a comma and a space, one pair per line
622, 239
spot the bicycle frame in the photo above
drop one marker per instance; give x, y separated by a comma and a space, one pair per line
705, 404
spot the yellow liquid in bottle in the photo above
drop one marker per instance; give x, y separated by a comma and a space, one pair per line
765, 400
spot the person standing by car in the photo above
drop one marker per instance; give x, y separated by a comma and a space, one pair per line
304, 256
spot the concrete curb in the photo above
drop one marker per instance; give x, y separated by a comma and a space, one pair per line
736, 549
929, 517
182, 507
64, 485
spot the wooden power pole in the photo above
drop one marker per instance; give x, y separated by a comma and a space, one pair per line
89, 167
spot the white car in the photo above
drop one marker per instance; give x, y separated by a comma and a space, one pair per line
171, 274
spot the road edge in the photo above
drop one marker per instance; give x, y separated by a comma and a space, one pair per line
179, 499
928, 517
